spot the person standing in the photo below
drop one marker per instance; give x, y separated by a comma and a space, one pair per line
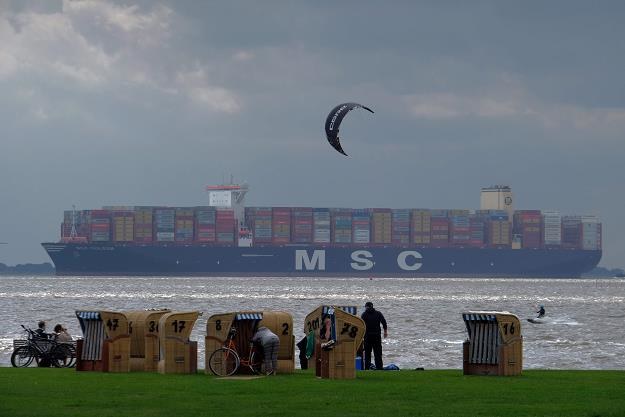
303, 359
270, 343
373, 319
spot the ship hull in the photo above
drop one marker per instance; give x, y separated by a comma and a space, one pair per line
316, 261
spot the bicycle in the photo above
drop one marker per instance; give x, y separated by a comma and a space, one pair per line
43, 351
226, 361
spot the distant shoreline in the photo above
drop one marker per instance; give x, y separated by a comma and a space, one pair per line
45, 268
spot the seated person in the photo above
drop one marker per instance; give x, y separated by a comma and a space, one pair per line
62, 336
41, 330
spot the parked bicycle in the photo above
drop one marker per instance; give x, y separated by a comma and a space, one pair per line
43, 352
226, 361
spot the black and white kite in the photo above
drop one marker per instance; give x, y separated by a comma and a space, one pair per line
333, 122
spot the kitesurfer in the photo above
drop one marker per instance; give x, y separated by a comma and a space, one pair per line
541, 312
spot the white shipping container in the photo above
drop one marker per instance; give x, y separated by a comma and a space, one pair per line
590, 244
362, 236
319, 223
321, 236
591, 233
165, 236
552, 234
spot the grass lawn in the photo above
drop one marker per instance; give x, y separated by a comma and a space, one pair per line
65, 392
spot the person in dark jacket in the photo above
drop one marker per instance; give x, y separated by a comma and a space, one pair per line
303, 359
373, 319
541, 312
41, 330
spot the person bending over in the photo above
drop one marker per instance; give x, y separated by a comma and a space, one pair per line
270, 343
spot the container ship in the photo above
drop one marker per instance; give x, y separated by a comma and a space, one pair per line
226, 238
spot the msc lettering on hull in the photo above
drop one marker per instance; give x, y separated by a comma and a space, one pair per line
362, 260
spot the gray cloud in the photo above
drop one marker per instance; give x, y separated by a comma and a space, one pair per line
109, 103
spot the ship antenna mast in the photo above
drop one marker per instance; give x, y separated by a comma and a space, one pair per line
73, 234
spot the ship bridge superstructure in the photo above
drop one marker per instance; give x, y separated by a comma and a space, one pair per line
230, 196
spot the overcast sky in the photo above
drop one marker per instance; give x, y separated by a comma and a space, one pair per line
145, 103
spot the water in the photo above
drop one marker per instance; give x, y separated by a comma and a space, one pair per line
584, 328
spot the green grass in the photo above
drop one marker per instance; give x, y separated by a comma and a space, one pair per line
65, 392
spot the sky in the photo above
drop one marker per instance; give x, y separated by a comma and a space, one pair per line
146, 103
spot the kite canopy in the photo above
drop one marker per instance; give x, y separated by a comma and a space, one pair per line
333, 122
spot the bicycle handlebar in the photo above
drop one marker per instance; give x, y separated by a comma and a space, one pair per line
34, 335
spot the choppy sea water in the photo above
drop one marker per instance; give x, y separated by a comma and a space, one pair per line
584, 328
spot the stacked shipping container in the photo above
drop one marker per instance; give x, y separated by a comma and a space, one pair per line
341, 226
143, 224
164, 224
281, 224
381, 225
361, 227
530, 229
571, 232
459, 228
225, 225
499, 230
258, 220
527, 225
400, 227
321, 225
439, 229
205, 224
420, 227
476, 231
552, 228
591, 233
123, 226
100, 226
302, 224
183, 231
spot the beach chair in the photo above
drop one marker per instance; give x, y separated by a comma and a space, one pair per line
494, 345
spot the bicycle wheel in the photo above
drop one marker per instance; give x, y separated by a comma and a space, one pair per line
224, 362
22, 357
60, 356
72, 358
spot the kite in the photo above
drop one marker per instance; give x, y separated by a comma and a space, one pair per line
333, 122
